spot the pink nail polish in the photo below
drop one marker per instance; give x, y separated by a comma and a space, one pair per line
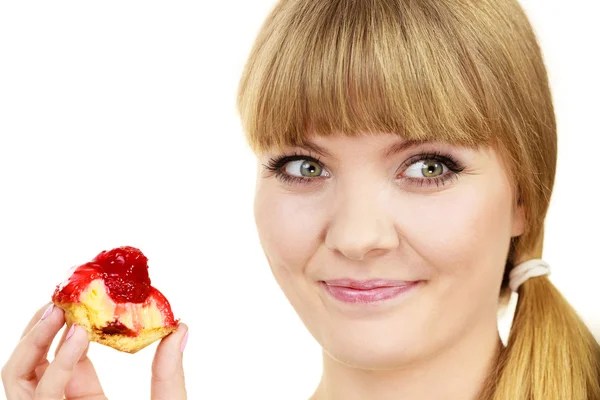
71, 331
184, 341
47, 312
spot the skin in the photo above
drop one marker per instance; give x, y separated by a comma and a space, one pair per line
365, 217
71, 374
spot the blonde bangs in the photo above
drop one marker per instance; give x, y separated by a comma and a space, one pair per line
360, 67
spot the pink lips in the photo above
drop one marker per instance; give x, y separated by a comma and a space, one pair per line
352, 291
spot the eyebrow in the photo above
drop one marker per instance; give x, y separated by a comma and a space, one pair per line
402, 146
308, 145
389, 152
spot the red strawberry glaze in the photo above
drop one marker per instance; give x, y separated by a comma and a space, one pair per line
164, 307
124, 271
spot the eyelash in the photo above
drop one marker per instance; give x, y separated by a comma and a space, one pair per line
276, 166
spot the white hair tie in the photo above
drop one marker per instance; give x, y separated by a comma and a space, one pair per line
528, 269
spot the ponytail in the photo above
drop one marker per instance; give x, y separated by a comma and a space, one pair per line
550, 354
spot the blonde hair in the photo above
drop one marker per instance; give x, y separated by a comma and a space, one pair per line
463, 72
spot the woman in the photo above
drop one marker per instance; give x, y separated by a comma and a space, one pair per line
411, 146
407, 152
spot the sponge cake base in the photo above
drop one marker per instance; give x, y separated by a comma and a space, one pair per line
78, 313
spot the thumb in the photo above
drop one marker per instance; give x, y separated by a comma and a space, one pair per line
168, 382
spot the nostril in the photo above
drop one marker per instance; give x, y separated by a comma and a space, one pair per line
358, 248
352, 256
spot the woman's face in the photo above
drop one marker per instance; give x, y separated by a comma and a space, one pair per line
389, 250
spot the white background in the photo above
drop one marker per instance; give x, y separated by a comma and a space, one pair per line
118, 127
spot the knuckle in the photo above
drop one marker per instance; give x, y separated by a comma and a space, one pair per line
5, 373
161, 379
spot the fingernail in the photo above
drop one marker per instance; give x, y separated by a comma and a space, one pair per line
184, 341
47, 312
71, 331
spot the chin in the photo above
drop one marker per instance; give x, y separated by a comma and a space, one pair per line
376, 358
375, 349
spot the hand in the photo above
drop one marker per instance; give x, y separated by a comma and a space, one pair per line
71, 375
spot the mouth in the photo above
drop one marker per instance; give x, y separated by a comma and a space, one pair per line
371, 291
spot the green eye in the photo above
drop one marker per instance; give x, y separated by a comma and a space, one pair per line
304, 168
432, 169
426, 169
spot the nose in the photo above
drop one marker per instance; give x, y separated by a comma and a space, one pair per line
360, 228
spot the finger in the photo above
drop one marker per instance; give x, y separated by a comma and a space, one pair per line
53, 383
84, 383
62, 340
36, 318
41, 369
33, 348
168, 381
40, 313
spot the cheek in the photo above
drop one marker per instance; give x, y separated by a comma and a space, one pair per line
289, 226
464, 232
